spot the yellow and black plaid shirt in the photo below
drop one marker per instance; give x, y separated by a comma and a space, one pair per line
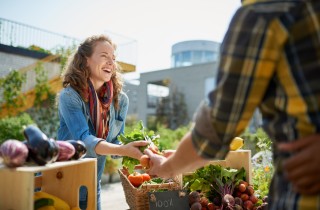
270, 58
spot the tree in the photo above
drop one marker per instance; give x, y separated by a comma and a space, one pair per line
171, 111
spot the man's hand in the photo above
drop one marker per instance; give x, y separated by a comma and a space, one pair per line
302, 169
157, 165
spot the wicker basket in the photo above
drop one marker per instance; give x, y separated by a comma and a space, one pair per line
137, 198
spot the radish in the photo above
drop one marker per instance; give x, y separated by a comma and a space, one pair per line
196, 206
228, 200
194, 197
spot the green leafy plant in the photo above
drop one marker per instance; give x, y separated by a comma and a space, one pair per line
46, 117
38, 49
171, 138
256, 142
11, 88
64, 54
42, 88
137, 134
12, 127
261, 145
214, 180
262, 177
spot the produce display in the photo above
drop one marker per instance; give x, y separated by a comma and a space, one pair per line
39, 149
212, 187
216, 187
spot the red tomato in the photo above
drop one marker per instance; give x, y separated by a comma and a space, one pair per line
135, 179
146, 177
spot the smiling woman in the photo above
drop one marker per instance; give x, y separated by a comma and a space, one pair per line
92, 106
101, 63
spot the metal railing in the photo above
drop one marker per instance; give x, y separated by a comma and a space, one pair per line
21, 35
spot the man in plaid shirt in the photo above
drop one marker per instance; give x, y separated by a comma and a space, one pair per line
270, 59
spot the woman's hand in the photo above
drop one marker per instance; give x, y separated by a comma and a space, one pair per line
132, 149
302, 169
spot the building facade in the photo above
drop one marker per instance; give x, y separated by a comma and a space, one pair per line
194, 82
193, 52
193, 74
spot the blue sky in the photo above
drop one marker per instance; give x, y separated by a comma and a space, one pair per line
153, 25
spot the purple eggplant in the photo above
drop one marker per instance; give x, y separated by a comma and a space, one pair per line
41, 149
66, 150
14, 153
54, 151
80, 149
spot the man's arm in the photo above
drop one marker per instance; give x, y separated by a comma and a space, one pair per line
185, 159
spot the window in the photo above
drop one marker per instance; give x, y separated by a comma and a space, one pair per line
197, 57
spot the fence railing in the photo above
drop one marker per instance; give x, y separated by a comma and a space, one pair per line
21, 35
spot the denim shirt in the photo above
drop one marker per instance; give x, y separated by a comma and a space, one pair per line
75, 123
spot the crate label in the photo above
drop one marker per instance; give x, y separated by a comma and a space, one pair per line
169, 200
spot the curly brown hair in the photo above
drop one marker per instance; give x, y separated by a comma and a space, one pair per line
76, 73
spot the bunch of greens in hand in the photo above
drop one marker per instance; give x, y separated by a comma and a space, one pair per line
138, 134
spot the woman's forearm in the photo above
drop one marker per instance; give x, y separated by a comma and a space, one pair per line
106, 148
131, 149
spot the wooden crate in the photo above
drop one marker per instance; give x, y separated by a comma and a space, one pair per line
62, 179
236, 159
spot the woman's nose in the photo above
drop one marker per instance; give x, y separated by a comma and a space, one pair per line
109, 61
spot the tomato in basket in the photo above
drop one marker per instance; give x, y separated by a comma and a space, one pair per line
136, 179
146, 177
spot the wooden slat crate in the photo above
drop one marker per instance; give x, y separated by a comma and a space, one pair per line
62, 179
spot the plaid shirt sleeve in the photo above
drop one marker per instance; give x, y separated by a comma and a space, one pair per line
249, 53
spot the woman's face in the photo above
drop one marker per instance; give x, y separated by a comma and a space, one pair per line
101, 64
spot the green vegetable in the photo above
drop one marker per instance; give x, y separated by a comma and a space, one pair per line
214, 180
138, 134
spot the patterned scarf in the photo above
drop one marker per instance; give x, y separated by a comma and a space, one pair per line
99, 109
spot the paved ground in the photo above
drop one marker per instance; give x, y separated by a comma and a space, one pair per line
112, 197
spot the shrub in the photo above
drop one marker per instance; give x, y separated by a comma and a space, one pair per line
12, 127
169, 139
260, 145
